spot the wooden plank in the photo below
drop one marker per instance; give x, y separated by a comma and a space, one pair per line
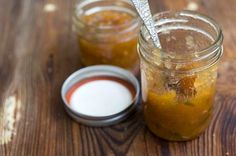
38, 51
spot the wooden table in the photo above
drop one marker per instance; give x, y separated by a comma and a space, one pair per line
38, 51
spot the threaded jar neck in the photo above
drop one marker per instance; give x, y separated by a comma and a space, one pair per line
187, 38
88, 7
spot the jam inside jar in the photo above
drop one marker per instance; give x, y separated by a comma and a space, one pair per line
178, 81
107, 33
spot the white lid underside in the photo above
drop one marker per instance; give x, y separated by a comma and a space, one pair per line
101, 98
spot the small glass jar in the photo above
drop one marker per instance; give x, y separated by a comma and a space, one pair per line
107, 33
178, 81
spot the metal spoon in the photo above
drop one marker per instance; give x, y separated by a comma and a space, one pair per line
144, 12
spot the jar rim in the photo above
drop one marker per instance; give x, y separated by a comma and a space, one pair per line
132, 24
205, 51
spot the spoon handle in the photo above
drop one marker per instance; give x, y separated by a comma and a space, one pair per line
144, 12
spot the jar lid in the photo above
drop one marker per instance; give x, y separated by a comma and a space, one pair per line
100, 95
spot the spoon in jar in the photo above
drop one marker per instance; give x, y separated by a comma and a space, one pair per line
144, 12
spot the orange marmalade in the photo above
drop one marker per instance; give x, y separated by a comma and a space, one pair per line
178, 111
108, 36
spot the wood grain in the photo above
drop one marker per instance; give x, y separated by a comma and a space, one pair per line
38, 51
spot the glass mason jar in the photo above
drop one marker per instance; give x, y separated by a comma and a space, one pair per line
178, 81
107, 33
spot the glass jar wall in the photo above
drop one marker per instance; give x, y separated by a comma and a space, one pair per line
178, 81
